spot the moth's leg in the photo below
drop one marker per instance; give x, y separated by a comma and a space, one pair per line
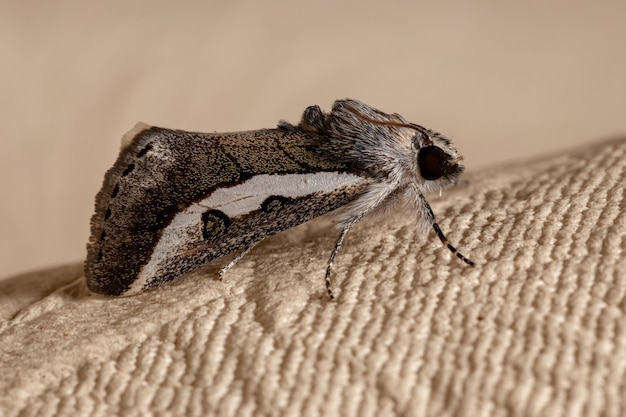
342, 236
428, 212
374, 197
236, 259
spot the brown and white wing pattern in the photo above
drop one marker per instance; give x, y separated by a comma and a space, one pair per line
176, 200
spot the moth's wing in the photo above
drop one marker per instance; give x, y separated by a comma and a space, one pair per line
238, 216
175, 200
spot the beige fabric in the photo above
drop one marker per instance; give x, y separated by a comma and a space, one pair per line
538, 328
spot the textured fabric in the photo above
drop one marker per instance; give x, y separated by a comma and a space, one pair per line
537, 328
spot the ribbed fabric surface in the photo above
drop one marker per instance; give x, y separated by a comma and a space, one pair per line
537, 328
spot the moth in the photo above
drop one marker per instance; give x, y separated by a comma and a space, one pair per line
176, 200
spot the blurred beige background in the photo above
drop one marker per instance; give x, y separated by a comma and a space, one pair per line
505, 81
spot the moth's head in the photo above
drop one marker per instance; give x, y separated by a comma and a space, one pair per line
437, 159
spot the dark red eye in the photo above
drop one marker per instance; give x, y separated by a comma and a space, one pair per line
433, 162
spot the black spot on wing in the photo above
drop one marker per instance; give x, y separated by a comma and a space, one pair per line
128, 169
275, 203
214, 224
144, 151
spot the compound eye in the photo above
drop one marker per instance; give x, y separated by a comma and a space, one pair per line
433, 162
